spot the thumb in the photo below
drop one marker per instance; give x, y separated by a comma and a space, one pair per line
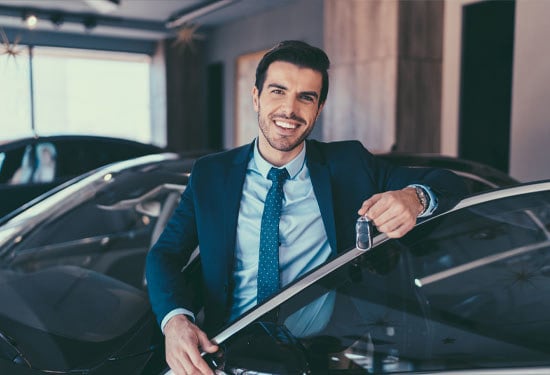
205, 343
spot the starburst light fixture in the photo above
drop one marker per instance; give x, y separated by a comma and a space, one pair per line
186, 35
8, 48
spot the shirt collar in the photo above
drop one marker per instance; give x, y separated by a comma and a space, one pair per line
293, 167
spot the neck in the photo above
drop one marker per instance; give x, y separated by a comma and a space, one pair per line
276, 157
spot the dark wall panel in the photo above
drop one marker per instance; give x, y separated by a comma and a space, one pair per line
486, 82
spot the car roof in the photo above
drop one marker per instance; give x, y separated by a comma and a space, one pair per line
474, 170
20, 142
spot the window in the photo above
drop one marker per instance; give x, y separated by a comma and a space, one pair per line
468, 290
76, 92
14, 96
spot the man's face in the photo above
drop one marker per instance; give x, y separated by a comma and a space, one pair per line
287, 109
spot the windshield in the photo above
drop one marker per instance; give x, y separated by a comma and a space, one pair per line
467, 290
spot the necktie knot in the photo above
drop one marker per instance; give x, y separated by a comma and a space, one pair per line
278, 175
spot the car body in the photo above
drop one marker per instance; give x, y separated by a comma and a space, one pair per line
465, 292
478, 177
73, 295
72, 271
32, 166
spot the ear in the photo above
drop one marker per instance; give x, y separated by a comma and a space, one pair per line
319, 111
255, 99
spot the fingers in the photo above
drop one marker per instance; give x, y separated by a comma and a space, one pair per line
183, 340
205, 344
397, 226
366, 206
195, 364
393, 212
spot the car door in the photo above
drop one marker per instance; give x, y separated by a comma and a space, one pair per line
468, 290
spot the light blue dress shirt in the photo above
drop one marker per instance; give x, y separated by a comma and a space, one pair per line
303, 239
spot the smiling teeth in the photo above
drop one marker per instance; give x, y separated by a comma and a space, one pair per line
285, 125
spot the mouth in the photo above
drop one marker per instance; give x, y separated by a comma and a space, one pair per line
285, 124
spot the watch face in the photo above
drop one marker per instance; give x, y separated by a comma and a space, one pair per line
422, 198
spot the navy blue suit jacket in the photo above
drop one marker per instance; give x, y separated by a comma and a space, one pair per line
343, 174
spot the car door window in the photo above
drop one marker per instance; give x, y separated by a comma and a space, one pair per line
467, 290
109, 231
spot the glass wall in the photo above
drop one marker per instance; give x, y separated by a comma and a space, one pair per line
75, 92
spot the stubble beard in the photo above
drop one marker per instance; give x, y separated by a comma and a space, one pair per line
284, 144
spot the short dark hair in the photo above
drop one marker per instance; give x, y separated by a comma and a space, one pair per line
297, 53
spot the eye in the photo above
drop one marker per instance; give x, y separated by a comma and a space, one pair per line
277, 92
308, 98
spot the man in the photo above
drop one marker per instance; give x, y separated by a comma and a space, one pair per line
325, 186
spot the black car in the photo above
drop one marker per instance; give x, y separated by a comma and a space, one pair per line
72, 272
72, 288
32, 166
478, 177
466, 292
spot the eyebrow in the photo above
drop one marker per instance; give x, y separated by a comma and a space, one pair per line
278, 86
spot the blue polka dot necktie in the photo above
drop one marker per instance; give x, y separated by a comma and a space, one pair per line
268, 266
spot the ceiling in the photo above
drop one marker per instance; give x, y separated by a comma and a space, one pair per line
140, 19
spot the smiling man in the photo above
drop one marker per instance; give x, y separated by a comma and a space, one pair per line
287, 110
266, 213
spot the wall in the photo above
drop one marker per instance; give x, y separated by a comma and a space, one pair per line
361, 38
452, 41
386, 73
301, 20
185, 105
418, 108
530, 129
530, 133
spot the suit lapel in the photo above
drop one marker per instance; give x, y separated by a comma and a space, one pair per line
232, 193
320, 179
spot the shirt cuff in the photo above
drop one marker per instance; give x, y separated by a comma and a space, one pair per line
171, 314
432, 206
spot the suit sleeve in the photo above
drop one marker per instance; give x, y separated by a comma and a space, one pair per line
169, 255
448, 188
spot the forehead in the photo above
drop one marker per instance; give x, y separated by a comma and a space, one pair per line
293, 77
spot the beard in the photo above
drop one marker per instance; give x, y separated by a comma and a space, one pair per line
281, 143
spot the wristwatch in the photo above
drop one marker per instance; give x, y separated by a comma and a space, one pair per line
423, 198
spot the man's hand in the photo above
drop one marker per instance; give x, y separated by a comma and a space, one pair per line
183, 340
393, 212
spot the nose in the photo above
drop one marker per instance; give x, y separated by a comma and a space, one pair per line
290, 106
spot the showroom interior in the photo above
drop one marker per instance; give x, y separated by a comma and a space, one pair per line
460, 78
119, 214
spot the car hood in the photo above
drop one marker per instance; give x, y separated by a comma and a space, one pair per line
50, 317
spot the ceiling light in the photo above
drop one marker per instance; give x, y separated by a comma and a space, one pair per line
104, 6
30, 20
